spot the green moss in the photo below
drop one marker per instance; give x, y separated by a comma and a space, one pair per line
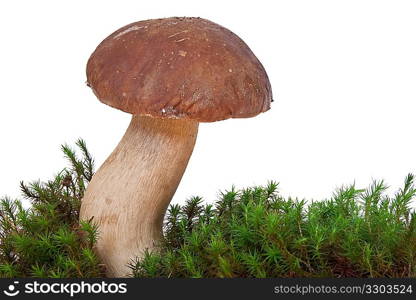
256, 232
46, 240
253, 232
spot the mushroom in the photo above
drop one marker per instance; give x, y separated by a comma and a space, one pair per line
170, 74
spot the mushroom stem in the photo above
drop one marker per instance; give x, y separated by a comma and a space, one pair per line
129, 194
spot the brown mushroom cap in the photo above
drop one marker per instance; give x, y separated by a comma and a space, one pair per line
183, 68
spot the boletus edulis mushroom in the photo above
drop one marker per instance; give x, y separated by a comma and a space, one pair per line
170, 74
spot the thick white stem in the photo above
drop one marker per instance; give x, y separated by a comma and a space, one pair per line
129, 194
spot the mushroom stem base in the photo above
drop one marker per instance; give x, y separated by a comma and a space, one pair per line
129, 194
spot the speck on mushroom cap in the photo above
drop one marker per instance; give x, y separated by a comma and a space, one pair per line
183, 68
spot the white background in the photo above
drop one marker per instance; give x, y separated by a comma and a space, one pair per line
343, 75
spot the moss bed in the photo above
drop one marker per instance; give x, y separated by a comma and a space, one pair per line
254, 232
